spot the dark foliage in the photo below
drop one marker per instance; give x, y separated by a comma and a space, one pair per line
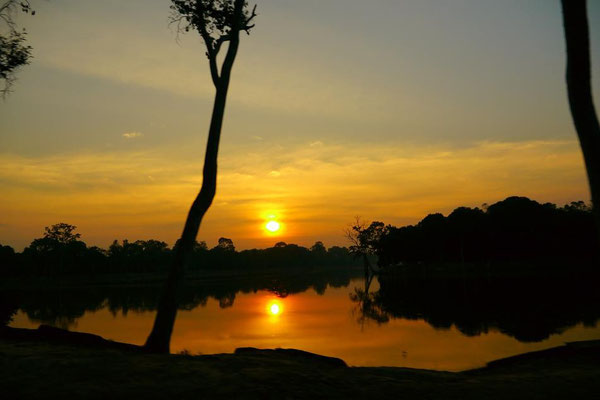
516, 229
14, 52
62, 306
60, 252
528, 308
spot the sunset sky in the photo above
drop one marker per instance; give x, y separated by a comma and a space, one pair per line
385, 109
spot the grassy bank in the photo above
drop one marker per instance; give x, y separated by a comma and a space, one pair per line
39, 369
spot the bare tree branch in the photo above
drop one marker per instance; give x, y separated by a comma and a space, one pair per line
246, 27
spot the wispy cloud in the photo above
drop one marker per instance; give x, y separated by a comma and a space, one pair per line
152, 58
317, 191
132, 135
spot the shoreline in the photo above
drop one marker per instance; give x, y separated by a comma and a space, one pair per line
51, 361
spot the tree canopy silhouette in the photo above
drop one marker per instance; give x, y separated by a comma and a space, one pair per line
217, 22
515, 229
225, 244
364, 241
61, 232
14, 52
61, 255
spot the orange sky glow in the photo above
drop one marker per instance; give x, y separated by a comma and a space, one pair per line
419, 108
314, 195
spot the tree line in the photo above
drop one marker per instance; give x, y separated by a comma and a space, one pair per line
60, 251
516, 229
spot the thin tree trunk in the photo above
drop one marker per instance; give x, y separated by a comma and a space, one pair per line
159, 339
580, 93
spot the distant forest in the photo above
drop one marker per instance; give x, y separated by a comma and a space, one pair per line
516, 229
60, 251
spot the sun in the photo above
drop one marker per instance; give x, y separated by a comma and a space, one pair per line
273, 226
274, 308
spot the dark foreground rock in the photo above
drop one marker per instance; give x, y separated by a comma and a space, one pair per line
32, 366
50, 334
293, 354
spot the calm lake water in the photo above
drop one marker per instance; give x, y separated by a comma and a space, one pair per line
334, 318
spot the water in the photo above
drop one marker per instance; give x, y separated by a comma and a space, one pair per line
330, 316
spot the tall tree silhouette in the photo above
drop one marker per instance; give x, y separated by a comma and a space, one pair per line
217, 22
580, 93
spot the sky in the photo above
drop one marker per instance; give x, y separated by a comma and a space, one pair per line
387, 110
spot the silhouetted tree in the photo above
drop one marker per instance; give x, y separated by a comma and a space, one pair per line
14, 53
337, 255
61, 233
468, 224
318, 248
7, 260
59, 250
365, 241
225, 244
579, 90
217, 22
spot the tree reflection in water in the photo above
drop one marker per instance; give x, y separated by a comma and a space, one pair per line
62, 306
367, 303
528, 309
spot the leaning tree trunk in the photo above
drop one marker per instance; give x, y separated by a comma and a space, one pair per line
580, 93
159, 339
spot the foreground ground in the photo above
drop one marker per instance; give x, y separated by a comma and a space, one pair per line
31, 367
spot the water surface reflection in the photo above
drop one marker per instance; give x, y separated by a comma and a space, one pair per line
422, 326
